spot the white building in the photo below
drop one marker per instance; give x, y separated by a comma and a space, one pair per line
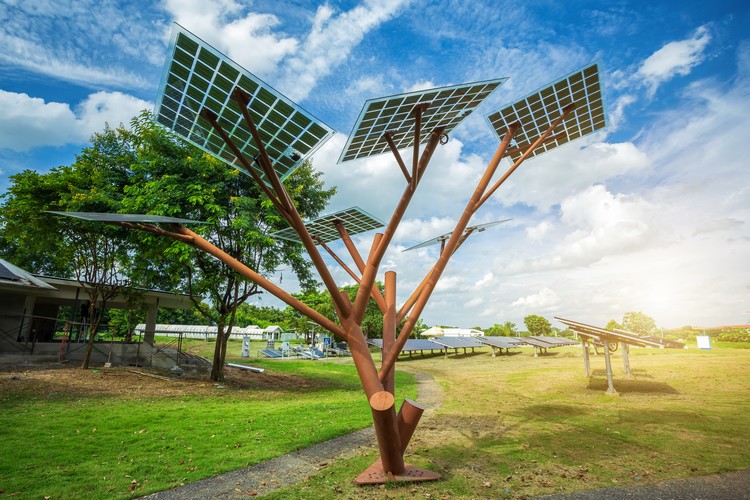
439, 331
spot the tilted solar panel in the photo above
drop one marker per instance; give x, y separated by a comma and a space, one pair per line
501, 342
537, 111
323, 228
106, 217
444, 237
197, 77
394, 114
411, 345
458, 342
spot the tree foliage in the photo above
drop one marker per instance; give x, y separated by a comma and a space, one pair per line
638, 322
145, 169
507, 329
537, 325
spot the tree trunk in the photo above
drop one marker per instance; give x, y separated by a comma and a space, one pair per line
93, 325
220, 350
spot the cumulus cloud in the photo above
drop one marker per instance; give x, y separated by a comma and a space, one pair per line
675, 58
541, 301
29, 122
547, 179
246, 37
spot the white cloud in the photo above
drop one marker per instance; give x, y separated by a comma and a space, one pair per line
542, 301
675, 58
246, 37
29, 122
330, 41
87, 42
547, 179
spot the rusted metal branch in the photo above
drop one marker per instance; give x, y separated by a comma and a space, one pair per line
523, 157
397, 155
450, 247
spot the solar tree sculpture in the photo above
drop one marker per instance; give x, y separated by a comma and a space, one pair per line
225, 110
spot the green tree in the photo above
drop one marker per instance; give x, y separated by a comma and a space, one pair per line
613, 325
98, 257
320, 300
537, 325
639, 323
507, 329
174, 178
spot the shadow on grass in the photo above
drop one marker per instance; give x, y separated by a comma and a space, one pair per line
548, 412
625, 386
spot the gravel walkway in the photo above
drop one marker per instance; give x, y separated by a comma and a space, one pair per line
286, 470
732, 485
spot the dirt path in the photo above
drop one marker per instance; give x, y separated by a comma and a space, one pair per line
292, 468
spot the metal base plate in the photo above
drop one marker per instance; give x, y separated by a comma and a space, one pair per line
375, 474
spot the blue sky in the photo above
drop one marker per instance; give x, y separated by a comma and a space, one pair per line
649, 215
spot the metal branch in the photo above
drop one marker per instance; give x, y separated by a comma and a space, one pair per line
375, 292
390, 360
397, 155
376, 255
523, 157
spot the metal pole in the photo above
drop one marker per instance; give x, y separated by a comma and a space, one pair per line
626, 359
608, 362
586, 362
389, 326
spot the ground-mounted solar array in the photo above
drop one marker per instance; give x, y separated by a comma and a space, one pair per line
323, 229
197, 77
501, 342
537, 111
136, 218
444, 237
394, 114
595, 333
458, 342
411, 345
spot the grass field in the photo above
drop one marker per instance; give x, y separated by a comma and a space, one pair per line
511, 426
518, 426
69, 433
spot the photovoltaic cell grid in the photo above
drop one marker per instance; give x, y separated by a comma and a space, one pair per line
537, 112
197, 76
447, 107
105, 217
355, 221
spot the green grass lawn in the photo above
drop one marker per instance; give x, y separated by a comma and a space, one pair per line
510, 426
518, 426
63, 436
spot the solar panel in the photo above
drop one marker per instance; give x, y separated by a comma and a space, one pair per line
447, 107
555, 341
411, 345
355, 221
596, 333
444, 237
7, 274
458, 342
105, 217
196, 76
537, 111
501, 342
